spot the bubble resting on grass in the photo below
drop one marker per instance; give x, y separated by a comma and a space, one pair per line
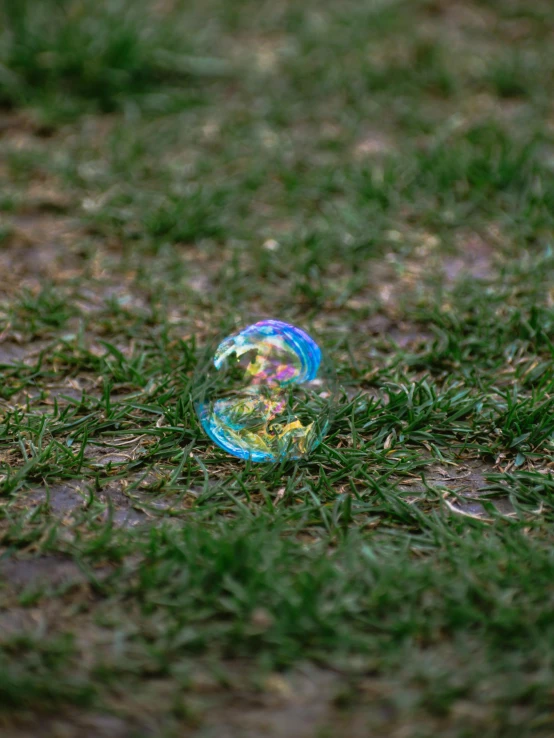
267, 394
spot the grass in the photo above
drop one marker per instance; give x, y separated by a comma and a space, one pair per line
381, 174
71, 55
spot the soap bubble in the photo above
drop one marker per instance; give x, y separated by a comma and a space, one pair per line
267, 393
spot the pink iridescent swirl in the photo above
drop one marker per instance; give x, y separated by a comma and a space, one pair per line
284, 353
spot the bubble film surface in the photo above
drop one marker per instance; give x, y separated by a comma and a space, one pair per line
267, 393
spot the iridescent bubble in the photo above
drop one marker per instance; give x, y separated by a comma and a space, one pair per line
267, 393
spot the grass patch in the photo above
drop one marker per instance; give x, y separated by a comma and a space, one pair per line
74, 56
379, 173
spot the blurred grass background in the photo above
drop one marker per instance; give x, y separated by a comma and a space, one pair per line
382, 174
